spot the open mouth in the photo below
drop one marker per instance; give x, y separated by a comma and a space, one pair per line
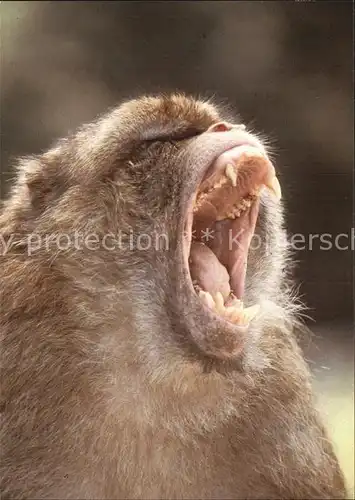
220, 226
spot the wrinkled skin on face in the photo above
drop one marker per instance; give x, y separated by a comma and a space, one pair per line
117, 381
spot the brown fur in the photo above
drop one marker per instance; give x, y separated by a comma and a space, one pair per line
107, 387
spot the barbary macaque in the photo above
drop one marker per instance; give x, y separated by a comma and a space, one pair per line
148, 321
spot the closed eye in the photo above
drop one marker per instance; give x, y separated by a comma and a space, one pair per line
175, 136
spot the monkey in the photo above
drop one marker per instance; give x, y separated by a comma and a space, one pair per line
149, 346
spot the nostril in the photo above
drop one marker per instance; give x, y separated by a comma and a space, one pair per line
220, 127
225, 126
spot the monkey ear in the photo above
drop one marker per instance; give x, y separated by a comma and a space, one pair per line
41, 191
42, 182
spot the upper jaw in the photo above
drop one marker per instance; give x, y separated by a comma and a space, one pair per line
204, 150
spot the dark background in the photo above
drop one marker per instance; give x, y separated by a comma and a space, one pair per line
286, 67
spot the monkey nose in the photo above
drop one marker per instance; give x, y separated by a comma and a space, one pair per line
225, 126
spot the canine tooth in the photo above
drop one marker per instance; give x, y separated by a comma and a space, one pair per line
250, 312
207, 299
274, 186
230, 173
219, 300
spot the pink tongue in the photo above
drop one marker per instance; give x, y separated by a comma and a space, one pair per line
220, 264
207, 271
232, 246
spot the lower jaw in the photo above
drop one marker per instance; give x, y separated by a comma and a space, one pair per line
214, 336
215, 330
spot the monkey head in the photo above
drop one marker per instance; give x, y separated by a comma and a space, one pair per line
183, 210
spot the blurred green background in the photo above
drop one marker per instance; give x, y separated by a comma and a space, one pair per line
286, 67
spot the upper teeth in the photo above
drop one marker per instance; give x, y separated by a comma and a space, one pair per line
272, 183
238, 209
231, 176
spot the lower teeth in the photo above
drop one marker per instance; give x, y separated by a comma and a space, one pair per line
234, 312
